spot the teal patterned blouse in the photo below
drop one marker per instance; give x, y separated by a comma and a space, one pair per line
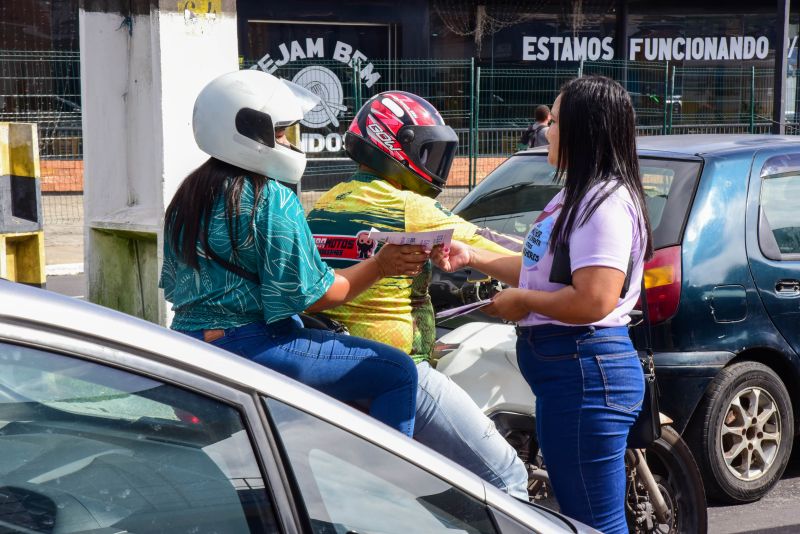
278, 245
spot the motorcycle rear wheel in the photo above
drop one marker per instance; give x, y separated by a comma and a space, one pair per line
679, 480
673, 467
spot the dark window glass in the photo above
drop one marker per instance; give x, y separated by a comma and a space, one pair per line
511, 198
91, 448
351, 485
779, 196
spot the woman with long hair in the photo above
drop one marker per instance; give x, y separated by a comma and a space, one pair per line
240, 261
576, 281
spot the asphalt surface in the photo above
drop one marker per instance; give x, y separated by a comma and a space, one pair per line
777, 513
70, 285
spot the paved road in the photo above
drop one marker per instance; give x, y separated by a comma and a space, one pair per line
777, 513
72, 285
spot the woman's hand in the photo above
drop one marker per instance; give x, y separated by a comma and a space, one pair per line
401, 260
509, 304
457, 256
391, 260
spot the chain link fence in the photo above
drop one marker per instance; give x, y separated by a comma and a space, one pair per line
44, 88
489, 108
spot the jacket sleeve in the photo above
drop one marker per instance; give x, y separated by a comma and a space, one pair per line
425, 214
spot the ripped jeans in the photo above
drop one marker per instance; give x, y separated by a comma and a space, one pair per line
589, 388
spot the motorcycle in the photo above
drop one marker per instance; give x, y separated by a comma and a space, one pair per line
665, 492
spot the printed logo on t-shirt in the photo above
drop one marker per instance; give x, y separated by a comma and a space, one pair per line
538, 239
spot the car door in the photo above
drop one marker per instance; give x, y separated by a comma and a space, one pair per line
773, 238
87, 446
349, 484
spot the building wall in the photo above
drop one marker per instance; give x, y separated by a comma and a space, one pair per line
411, 18
39, 25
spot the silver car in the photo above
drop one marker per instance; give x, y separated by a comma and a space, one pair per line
111, 424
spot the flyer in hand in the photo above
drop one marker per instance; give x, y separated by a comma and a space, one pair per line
426, 239
461, 310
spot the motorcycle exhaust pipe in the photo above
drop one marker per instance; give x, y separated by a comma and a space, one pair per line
637, 458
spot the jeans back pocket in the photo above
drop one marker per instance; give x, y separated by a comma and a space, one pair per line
554, 347
623, 380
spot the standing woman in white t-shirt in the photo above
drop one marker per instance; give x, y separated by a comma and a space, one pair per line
573, 345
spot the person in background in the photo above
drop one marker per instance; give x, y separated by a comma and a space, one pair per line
404, 151
536, 134
240, 262
573, 345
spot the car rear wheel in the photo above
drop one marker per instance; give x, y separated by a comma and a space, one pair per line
742, 433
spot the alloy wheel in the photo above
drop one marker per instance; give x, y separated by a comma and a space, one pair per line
751, 433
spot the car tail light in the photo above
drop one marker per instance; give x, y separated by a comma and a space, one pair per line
662, 282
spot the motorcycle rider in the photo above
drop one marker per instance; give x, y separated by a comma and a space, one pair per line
405, 151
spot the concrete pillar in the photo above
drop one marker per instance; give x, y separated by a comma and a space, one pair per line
21, 237
143, 62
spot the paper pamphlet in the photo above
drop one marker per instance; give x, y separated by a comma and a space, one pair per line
431, 239
461, 310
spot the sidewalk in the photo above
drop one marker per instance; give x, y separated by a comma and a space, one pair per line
63, 234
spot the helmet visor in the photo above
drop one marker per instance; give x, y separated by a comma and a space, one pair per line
437, 157
433, 148
307, 99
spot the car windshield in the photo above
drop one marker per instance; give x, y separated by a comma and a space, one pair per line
73, 386
511, 198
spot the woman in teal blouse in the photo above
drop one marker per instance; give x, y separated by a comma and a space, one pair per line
240, 261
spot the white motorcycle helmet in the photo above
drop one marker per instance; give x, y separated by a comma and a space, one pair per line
235, 118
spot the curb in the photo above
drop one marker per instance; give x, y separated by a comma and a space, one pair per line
61, 269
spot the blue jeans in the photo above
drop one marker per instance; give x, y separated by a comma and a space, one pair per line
589, 388
449, 422
348, 368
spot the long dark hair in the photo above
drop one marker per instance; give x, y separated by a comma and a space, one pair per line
188, 215
597, 144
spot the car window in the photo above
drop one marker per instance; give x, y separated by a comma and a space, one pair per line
88, 448
779, 196
511, 198
656, 181
351, 485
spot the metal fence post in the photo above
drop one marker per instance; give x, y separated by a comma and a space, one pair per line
671, 100
471, 147
356, 86
476, 118
752, 99
666, 96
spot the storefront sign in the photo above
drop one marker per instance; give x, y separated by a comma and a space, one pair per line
315, 48
646, 49
567, 48
324, 83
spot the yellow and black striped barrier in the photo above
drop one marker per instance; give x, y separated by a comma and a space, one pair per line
21, 235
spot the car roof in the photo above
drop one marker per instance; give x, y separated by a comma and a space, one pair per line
688, 145
38, 309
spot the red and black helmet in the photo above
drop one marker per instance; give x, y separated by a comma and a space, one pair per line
402, 137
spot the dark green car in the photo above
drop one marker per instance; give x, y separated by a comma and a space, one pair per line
723, 290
